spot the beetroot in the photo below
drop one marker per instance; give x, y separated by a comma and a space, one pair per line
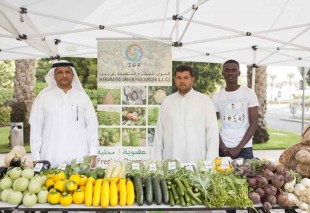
261, 192
280, 169
288, 177
262, 182
267, 206
271, 166
272, 200
277, 180
253, 183
270, 190
254, 197
268, 174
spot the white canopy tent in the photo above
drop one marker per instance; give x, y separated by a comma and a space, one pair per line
253, 32
257, 32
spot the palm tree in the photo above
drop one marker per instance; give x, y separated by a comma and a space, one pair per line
290, 82
24, 83
261, 135
272, 77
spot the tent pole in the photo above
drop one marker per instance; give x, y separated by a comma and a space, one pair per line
254, 66
303, 99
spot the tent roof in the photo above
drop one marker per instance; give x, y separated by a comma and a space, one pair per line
260, 32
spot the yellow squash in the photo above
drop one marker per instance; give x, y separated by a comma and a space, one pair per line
78, 196
66, 199
105, 194
76, 178
130, 193
97, 191
122, 192
89, 193
113, 194
70, 186
53, 197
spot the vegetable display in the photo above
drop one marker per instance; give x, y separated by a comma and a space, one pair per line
266, 181
221, 183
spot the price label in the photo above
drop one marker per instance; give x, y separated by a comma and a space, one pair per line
172, 165
189, 167
225, 165
208, 164
62, 166
38, 167
135, 166
152, 167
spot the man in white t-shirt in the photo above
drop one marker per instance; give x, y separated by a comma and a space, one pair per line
237, 108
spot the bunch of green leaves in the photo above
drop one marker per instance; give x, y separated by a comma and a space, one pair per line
149, 168
251, 168
176, 170
77, 166
135, 167
219, 190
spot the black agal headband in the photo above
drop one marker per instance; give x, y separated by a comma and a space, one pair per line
63, 64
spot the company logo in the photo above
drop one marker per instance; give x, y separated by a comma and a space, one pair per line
134, 53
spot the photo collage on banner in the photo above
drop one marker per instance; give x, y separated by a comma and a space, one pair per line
132, 83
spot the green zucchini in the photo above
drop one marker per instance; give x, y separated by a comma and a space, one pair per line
175, 193
193, 196
180, 187
171, 200
157, 190
148, 191
187, 198
138, 188
183, 204
164, 190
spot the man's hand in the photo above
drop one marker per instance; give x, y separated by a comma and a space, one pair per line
93, 161
223, 148
233, 152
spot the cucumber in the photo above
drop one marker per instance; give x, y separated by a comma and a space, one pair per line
182, 201
164, 190
171, 200
148, 191
193, 196
180, 187
187, 198
157, 190
138, 188
175, 193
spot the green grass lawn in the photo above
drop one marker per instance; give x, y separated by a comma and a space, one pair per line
277, 140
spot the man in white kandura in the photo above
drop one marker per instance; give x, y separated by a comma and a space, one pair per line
187, 127
63, 121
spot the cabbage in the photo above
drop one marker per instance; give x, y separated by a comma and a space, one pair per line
29, 200
20, 184
35, 185
6, 183
5, 193
28, 173
15, 197
15, 173
42, 195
